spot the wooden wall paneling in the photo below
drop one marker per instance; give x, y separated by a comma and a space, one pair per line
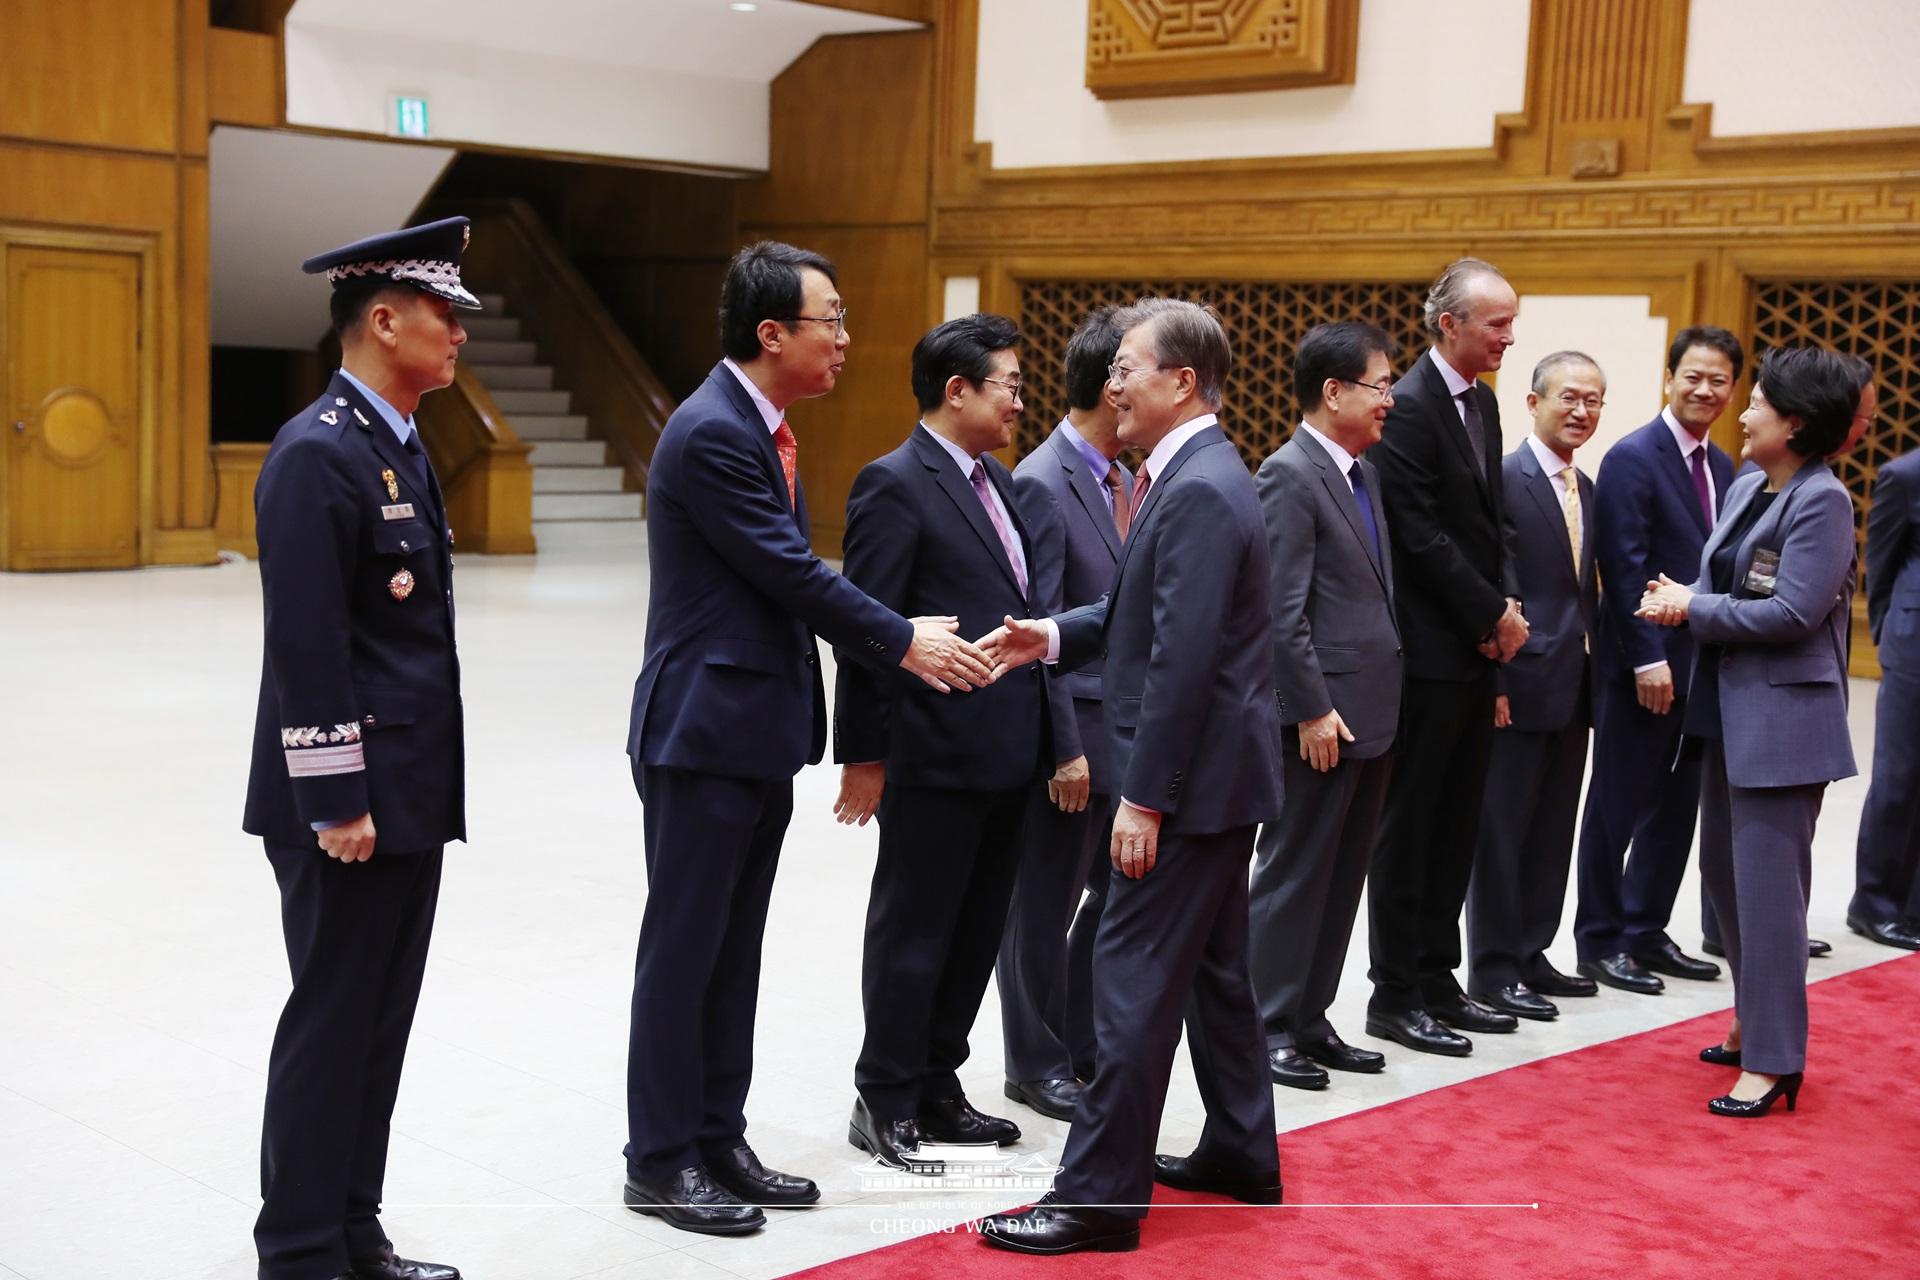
100, 73
191, 505
1161, 48
236, 466
243, 78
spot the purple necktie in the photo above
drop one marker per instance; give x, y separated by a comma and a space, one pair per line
1700, 489
999, 525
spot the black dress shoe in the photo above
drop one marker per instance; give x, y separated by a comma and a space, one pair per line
692, 1201
955, 1120
1623, 973
1817, 947
1201, 1173
741, 1172
1055, 1099
1728, 1105
1667, 957
1051, 1227
391, 1266
1520, 1001
1464, 1014
1888, 933
1291, 1068
1720, 1056
1337, 1054
1416, 1029
1713, 948
888, 1141
1549, 981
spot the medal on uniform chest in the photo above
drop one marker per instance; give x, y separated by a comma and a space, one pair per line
401, 584
393, 486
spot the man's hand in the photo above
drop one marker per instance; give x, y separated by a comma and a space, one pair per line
1014, 644
1320, 740
1502, 712
1510, 632
860, 788
943, 659
1654, 688
1136, 840
350, 843
1069, 785
1666, 602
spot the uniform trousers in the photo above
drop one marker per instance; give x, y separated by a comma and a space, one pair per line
713, 844
1756, 856
1172, 945
356, 936
1887, 855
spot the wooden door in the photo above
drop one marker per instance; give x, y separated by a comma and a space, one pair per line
73, 408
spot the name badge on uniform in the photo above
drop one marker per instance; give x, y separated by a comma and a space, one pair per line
399, 511
1763, 571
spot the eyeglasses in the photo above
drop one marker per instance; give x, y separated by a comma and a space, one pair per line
1570, 402
1383, 388
1118, 373
838, 320
1013, 385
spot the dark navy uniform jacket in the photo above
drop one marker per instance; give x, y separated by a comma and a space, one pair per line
360, 686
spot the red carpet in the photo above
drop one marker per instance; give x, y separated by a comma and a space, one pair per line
1632, 1177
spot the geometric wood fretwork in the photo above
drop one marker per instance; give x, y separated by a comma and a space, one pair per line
1877, 320
1159, 48
1264, 321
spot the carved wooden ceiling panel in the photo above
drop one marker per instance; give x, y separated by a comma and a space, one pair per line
1158, 48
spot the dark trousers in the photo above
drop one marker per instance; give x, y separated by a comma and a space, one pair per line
1424, 854
357, 936
941, 885
713, 844
1309, 870
1045, 1024
1887, 855
1172, 946
1644, 793
1525, 852
1756, 856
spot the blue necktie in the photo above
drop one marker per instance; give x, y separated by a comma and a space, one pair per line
1366, 508
418, 457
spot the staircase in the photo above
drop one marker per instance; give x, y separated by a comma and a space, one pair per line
579, 499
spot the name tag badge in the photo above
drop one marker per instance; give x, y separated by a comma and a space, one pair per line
399, 511
1763, 571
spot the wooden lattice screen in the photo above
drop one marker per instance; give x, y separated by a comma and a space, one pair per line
1878, 320
1263, 319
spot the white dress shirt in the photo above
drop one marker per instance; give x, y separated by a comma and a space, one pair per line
1457, 383
1553, 464
1688, 447
1341, 458
771, 415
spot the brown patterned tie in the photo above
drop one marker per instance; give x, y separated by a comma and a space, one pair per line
1122, 509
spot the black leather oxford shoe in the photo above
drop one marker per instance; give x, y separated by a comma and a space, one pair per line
1816, 947
1055, 1099
1289, 1067
1198, 1172
1667, 957
1051, 1227
1520, 1001
889, 1141
1337, 1055
1416, 1029
1888, 933
740, 1172
955, 1120
1464, 1014
1622, 973
692, 1201
391, 1266
1550, 982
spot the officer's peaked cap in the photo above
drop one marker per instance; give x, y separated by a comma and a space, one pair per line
426, 257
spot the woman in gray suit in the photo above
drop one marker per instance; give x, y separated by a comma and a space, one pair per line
1768, 704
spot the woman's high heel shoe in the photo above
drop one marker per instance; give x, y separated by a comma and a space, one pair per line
1728, 1105
1720, 1056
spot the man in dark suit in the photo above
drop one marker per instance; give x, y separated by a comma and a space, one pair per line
933, 527
729, 705
1544, 709
1656, 499
1188, 638
1337, 674
357, 746
1886, 895
1460, 617
1076, 501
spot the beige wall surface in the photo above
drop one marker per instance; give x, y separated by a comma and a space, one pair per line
1782, 66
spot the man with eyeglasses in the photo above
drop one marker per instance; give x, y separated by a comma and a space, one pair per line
1545, 703
933, 528
1656, 499
728, 707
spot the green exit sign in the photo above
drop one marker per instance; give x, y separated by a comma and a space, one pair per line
409, 117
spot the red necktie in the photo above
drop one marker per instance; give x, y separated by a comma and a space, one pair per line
1141, 483
1122, 505
789, 449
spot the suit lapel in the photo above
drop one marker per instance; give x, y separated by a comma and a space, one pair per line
1341, 493
387, 446
1088, 491
749, 413
1540, 488
1380, 523
1452, 426
1674, 471
1202, 438
946, 474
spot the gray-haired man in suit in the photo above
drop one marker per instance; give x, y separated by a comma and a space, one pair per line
1076, 501
1337, 676
1544, 709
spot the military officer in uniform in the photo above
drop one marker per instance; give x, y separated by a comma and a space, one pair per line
357, 778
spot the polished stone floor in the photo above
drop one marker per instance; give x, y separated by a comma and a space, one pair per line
141, 968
